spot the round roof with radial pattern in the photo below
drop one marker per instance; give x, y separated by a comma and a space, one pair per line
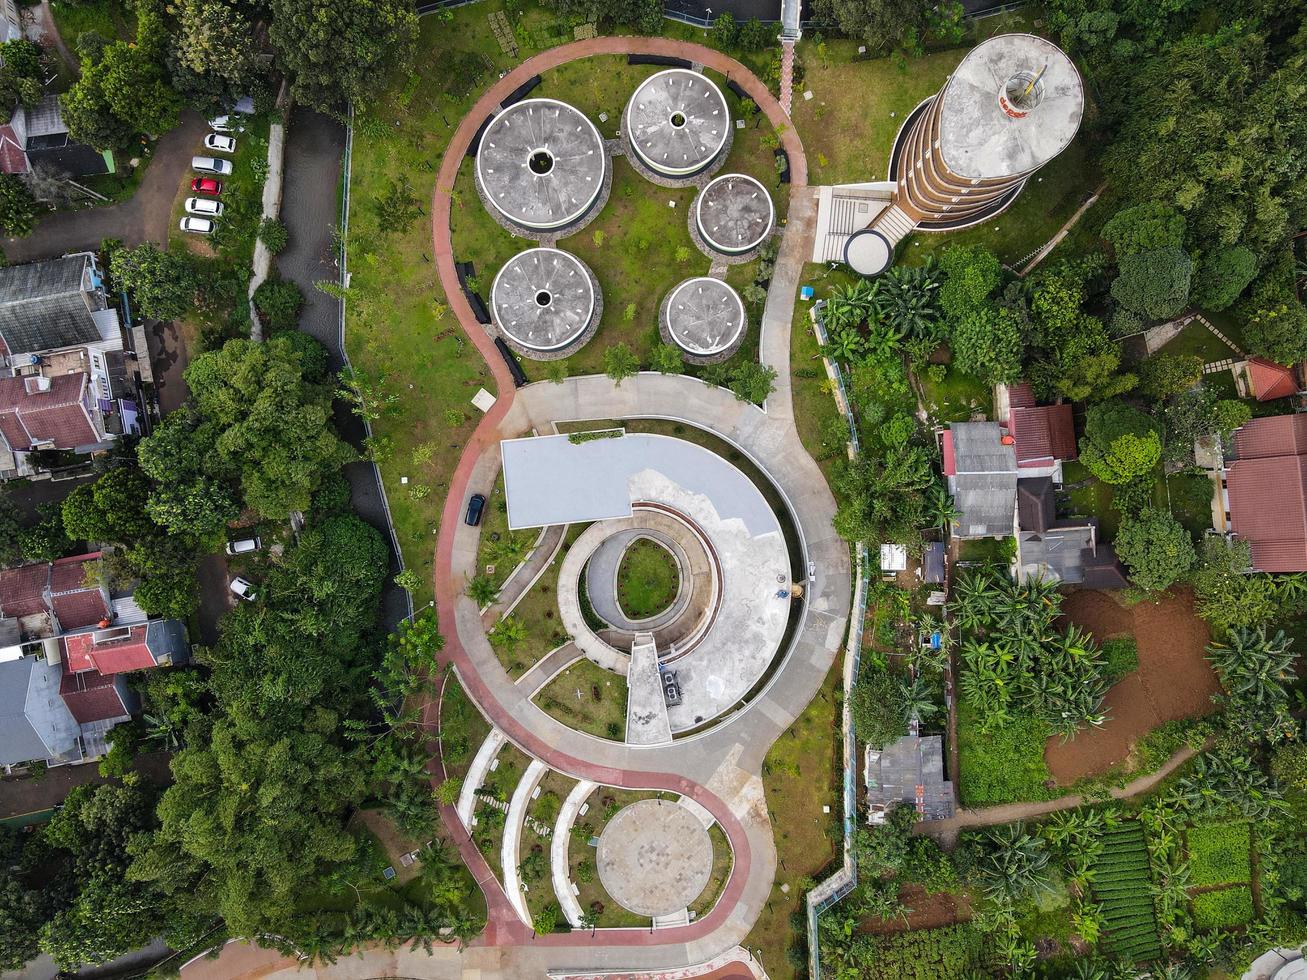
1013, 104
705, 316
541, 163
677, 121
543, 298
734, 213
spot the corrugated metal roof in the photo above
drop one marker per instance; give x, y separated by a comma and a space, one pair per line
42, 306
978, 448
986, 504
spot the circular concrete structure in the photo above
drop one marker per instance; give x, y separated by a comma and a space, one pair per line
868, 253
677, 122
541, 164
705, 318
654, 857
545, 302
734, 214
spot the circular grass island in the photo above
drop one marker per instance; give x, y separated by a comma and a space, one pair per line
648, 580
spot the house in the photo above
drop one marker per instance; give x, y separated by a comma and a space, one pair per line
37, 135
1264, 489
1270, 381
65, 381
984, 461
11, 27
909, 771
1061, 550
67, 636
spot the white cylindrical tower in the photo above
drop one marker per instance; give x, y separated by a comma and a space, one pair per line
541, 164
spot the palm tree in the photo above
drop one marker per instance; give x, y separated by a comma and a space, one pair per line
940, 510
508, 632
160, 730
482, 590
918, 699
846, 345
1015, 865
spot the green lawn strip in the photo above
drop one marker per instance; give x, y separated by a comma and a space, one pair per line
957, 397
1219, 853
722, 859
1197, 340
1225, 908
605, 802
554, 788
1190, 497
1003, 765
595, 715
800, 776
499, 783
647, 579
111, 19
498, 546
822, 430
992, 550
538, 612
462, 728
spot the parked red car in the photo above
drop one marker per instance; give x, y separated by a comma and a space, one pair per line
206, 185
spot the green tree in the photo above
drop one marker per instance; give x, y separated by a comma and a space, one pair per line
1154, 284
987, 344
279, 302
186, 499
162, 284
1155, 548
883, 494
1256, 672
341, 51
1164, 375
22, 74
1227, 596
620, 362
726, 32
1145, 228
883, 24
111, 509
1014, 865
667, 359
1222, 277
124, 93
876, 705
1120, 443
971, 274
9, 529
17, 206
216, 38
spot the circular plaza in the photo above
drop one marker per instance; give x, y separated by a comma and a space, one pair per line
654, 857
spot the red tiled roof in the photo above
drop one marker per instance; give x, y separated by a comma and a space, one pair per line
1043, 432
22, 590
77, 610
1271, 380
1268, 509
81, 652
950, 456
91, 696
57, 415
1021, 395
12, 158
1272, 435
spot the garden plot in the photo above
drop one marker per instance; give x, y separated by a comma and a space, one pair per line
1220, 871
1122, 886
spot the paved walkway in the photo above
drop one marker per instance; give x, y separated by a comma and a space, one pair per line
526, 574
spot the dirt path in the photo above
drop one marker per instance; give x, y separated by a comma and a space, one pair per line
946, 831
1174, 679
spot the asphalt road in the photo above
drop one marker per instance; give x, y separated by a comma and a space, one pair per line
315, 147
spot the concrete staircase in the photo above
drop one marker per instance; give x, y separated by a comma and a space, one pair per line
894, 224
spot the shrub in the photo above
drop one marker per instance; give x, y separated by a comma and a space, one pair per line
279, 302
273, 234
1122, 656
1003, 765
1144, 228
1120, 443
1219, 853
1223, 276
1155, 548
1164, 375
876, 704
1154, 284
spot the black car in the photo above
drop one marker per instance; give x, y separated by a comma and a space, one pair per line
474, 508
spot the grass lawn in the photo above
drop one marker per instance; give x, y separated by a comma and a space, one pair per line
535, 870
600, 709
722, 860
111, 19
1196, 339
500, 783
538, 612
462, 728
647, 579
997, 550
1191, 501
1223, 909
498, 546
800, 775
822, 429
957, 397
1004, 765
1219, 853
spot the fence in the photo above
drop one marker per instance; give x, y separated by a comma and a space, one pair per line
843, 881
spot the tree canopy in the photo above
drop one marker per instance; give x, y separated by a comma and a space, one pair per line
1120, 443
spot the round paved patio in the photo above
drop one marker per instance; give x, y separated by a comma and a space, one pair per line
654, 857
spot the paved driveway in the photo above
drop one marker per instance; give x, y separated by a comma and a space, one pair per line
144, 217
315, 147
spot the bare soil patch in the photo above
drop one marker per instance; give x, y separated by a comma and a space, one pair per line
1174, 679
927, 910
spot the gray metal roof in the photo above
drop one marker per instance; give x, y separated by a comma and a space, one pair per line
677, 121
894, 773
45, 118
34, 721
42, 306
705, 315
1012, 105
986, 504
734, 213
543, 298
167, 638
978, 448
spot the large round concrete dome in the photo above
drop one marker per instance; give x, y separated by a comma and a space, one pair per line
734, 214
705, 317
543, 300
541, 164
677, 121
1012, 105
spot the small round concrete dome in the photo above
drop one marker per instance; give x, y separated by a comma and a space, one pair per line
541, 163
543, 299
1012, 105
734, 213
677, 121
705, 317
868, 252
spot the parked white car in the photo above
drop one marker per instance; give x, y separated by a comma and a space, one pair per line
197, 226
222, 124
211, 165
244, 546
243, 589
204, 205
220, 143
